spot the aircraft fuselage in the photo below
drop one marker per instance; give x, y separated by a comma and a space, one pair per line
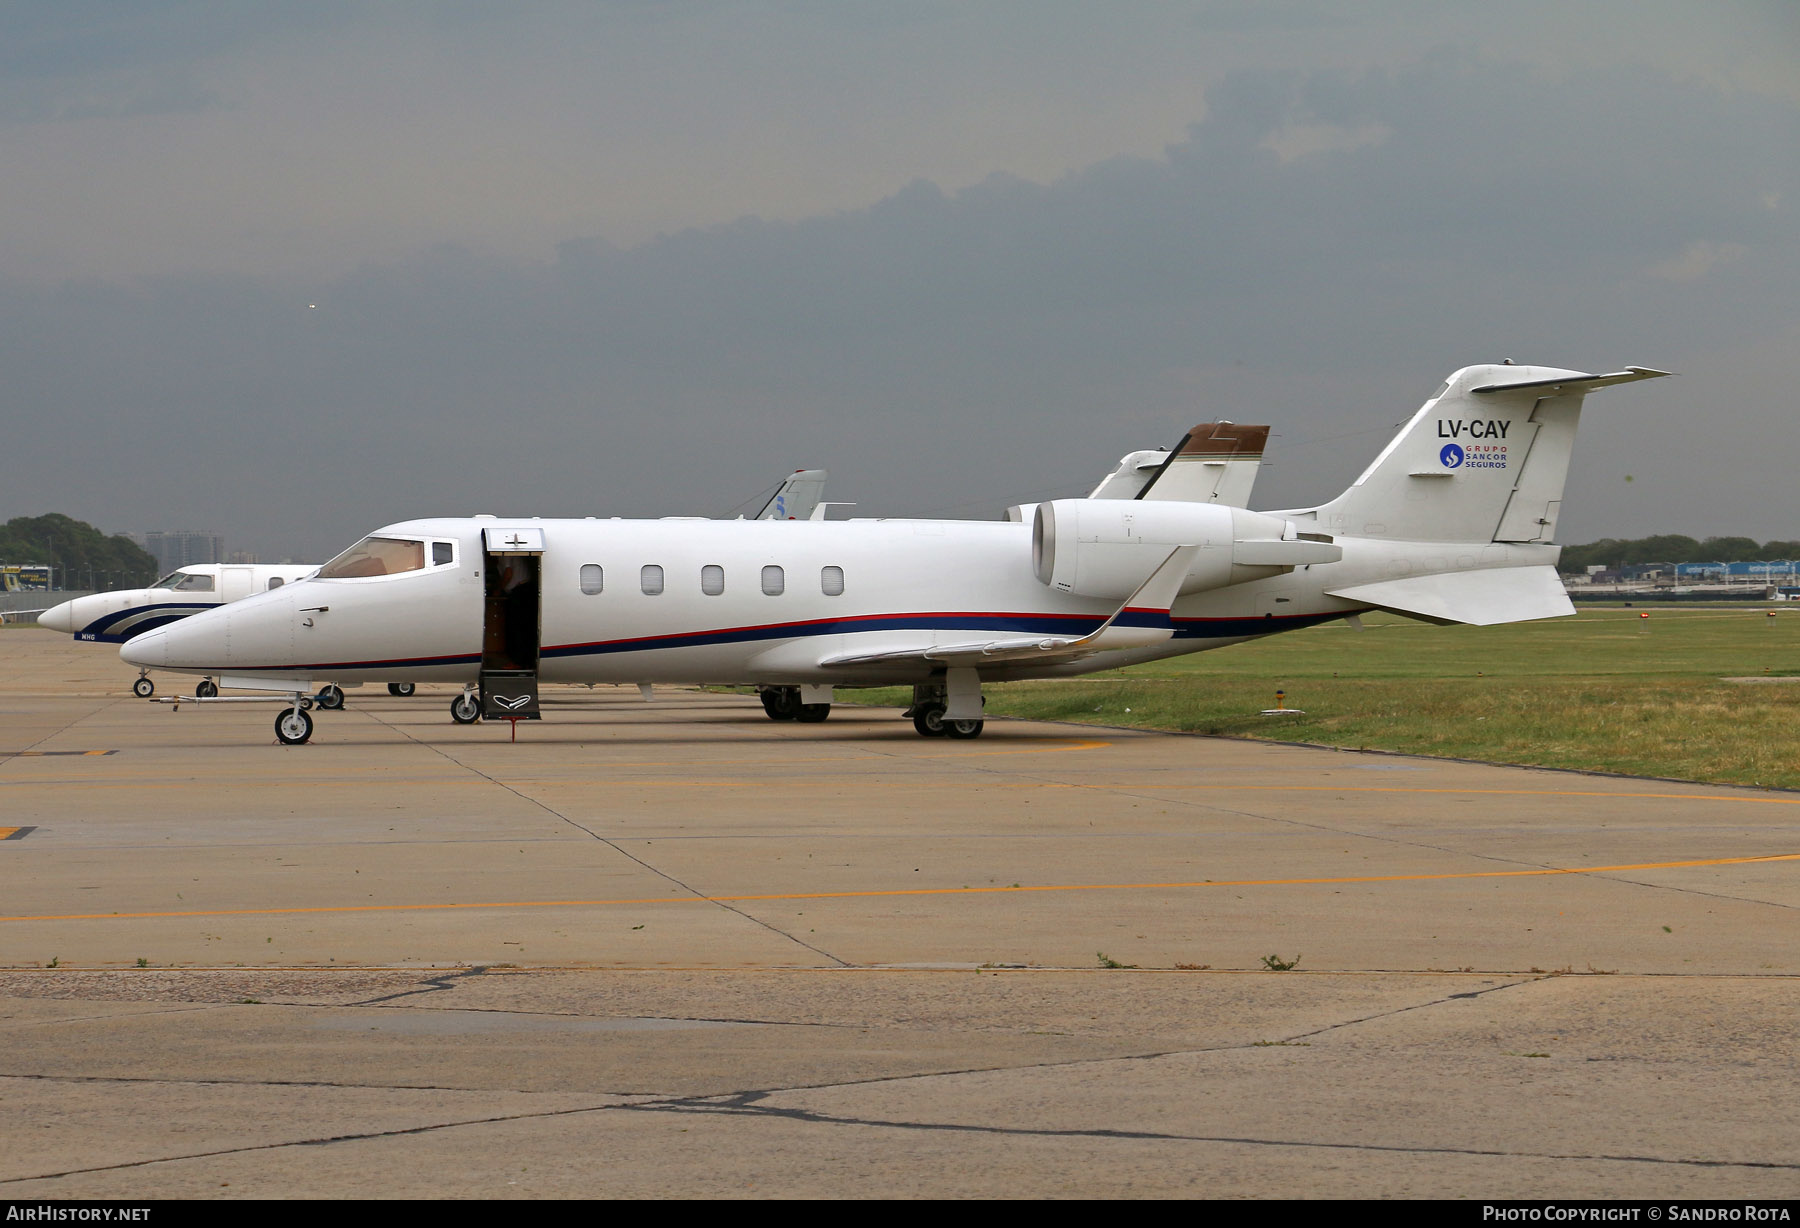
744, 602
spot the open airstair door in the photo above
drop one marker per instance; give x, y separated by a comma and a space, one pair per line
512, 572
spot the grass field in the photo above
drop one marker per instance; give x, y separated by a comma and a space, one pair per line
1604, 690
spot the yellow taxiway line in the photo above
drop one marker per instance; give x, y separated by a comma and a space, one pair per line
918, 891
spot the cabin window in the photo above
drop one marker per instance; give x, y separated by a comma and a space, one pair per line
712, 579
441, 553
193, 584
375, 556
276, 581
593, 579
831, 581
773, 581
651, 580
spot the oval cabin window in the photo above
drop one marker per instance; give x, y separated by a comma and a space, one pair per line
593, 579
712, 579
651, 578
831, 581
773, 581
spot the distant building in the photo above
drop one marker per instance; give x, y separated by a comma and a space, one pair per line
1760, 570
174, 550
243, 556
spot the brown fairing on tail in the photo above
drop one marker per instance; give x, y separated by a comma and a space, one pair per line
1224, 440
1215, 441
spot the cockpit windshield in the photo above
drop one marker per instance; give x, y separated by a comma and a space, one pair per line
375, 556
185, 582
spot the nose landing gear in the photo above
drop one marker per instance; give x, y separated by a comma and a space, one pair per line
293, 726
143, 688
465, 709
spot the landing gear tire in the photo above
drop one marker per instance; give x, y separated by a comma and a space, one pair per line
400, 690
812, 714
962, 730
143, 688
206, 688
928, 719
331, 697
465, 709
292, 727
782, 703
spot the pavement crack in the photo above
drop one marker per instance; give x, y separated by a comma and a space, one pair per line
322, 1141
441, 983
618, 848
751, 1104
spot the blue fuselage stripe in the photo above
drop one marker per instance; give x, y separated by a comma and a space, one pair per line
122, 625
1016, 624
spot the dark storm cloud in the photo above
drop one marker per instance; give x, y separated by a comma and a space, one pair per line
1317, 253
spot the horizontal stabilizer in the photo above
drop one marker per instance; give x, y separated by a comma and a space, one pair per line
1577, 383
1480, 598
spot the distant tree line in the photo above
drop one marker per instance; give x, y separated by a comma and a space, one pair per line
82, 555
1674, 548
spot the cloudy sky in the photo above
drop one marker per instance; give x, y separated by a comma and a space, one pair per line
289, 272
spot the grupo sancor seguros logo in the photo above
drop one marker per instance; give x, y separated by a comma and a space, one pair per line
1452, 456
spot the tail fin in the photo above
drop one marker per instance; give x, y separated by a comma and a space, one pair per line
1216, 462
1484, 459
796, 498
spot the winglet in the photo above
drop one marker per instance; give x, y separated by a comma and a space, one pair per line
1142, 621
1144, 618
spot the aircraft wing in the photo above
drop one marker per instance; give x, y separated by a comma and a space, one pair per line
1141, 621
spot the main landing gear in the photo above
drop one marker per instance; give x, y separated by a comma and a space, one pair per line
206, 688
782, 703
929, 714
930, 722
400, 690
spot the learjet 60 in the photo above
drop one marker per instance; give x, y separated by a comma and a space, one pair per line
1454, 522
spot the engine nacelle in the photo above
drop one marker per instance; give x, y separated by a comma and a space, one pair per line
1109, 547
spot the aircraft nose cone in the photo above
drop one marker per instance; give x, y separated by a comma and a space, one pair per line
59, 618
149, 649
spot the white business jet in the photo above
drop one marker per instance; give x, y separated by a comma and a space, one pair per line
114, 617
1454, 522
